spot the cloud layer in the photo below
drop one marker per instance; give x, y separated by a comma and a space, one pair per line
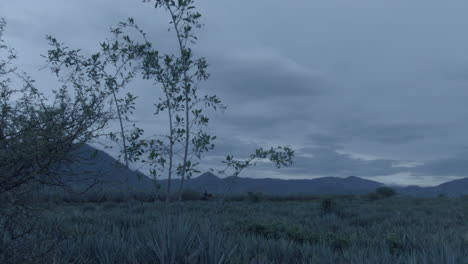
355, 87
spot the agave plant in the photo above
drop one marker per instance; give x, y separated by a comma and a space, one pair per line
173, 240
215, 247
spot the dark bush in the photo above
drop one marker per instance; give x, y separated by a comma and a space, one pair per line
373, 196
385, 191
109, 205
268, 231
286, 198
327, 206
206, 196
235, 198
339, 245
97, 198
254, 197
299, 235
117, 197
191, 195
88, 208
144, 197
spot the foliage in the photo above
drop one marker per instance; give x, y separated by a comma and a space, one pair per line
207, 196
254, 197
179, 76
190, 195
380, 193
385, 191
38, 136
280, 156
172, 241
327, 206
108, 71
396, 231
372, 196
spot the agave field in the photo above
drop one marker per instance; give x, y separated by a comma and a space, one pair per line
347, 229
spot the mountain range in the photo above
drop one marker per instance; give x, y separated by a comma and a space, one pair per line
113, 175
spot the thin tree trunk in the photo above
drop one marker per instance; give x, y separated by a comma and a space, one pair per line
186, 95
124, 141
171, 145
187, 138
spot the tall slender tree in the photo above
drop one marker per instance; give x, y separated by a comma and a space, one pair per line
112, 69
180, 75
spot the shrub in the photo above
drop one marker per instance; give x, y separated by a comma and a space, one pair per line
299, 235
286, 198
69, 198
173, 240
373, 196
88, 208
385, 191
207, 196
381, 192
235, 198
254, 197
327, 206
340, 244
191, 195
395, 244
268, 231
108, 205
117, 197
144, 197
95, 197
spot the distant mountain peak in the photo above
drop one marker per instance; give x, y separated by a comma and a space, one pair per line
208, 176
455, 183
91, 163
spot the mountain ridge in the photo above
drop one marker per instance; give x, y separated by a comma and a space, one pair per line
114, 177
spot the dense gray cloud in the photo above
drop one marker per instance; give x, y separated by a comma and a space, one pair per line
454, 166
457, 73
382, 133
329, 140
325, 161
260, 77
396, 133
337, 80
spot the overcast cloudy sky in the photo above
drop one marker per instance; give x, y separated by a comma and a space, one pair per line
371, 88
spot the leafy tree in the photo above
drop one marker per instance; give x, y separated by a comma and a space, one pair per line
179, 77
111, 70
184, 21
37, 134
38, 137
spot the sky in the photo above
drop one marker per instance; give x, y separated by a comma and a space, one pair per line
370, 88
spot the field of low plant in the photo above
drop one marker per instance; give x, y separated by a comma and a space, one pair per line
316, 230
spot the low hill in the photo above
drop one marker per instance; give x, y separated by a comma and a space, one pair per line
92, 165
452, 188
326, 185
95, 164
